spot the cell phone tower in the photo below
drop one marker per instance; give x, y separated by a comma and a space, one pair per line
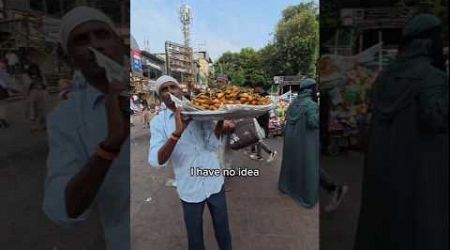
185, 15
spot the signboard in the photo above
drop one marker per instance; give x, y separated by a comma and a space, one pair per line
372, 18
179, 59
137, 64
24, 28
154, 66
288, 80
350, 17
277, 79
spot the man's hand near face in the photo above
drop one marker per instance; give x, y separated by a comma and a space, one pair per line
167, 149
180, 124
118, 120
83, 187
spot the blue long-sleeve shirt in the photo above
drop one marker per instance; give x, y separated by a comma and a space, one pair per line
197, 148
75, 128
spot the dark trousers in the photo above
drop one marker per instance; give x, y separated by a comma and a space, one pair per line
261, 145
326, 182
193, 218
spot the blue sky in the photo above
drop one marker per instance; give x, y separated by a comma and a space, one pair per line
220, 25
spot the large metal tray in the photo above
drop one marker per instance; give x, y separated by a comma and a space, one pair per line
228, 114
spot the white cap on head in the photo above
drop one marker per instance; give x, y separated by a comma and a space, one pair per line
163, 79
77, 16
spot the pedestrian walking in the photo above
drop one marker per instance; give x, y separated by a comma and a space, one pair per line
135, 108
37, 97
299, 174
337, 192
263, 121
13, 61
145, 114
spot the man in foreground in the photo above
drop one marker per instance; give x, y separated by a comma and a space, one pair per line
187, 145
89, 158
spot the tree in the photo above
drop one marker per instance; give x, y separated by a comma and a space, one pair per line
230, 64
241, 67
297, 39
293, 51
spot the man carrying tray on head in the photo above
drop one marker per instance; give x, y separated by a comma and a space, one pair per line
187, 145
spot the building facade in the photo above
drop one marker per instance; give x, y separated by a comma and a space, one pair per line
30, 28
153, 66
118, 10
28, 20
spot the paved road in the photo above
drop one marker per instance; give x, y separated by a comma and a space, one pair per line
260, 216
337, 229
22, 173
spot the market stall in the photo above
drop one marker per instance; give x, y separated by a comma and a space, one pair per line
278, 118
140, 86
346, 82
288, 87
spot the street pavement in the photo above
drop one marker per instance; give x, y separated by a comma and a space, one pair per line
23, 225
261, 217
338, 229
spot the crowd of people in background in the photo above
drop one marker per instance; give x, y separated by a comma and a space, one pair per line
263, 121
140, 107
21, 76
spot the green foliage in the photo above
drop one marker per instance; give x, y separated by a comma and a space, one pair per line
297, 39
294, 50
241, 67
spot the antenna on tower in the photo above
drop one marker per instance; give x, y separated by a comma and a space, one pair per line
146, 45
185, 15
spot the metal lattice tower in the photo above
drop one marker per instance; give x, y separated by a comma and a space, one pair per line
147, 45
185, 15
